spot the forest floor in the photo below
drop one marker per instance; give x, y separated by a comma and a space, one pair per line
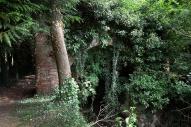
8, 102
8, 99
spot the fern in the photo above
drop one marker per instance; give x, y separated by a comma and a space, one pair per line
7, 39
15, 20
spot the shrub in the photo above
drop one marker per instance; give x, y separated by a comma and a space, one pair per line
148, 90
60, 110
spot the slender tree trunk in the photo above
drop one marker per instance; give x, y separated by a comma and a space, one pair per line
46, 70
5, 73
114, 94
59, 46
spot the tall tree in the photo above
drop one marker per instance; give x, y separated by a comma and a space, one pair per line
58, 42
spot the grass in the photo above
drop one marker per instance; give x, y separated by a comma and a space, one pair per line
45, 112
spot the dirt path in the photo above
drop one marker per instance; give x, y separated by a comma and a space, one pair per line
8, 98
8, 102
6, 107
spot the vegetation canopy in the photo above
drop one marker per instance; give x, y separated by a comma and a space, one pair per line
96, 63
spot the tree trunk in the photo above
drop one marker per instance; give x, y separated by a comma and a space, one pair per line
59, 46
5, 73
46, 71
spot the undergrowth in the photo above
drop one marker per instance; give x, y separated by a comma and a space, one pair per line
59, 110
45, 112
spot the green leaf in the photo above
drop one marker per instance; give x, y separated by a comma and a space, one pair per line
7, 39
15, 34
11, 36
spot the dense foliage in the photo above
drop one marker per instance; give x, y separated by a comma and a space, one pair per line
134, 51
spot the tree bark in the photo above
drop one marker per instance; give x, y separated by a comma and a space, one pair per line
59, 46
46, 71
